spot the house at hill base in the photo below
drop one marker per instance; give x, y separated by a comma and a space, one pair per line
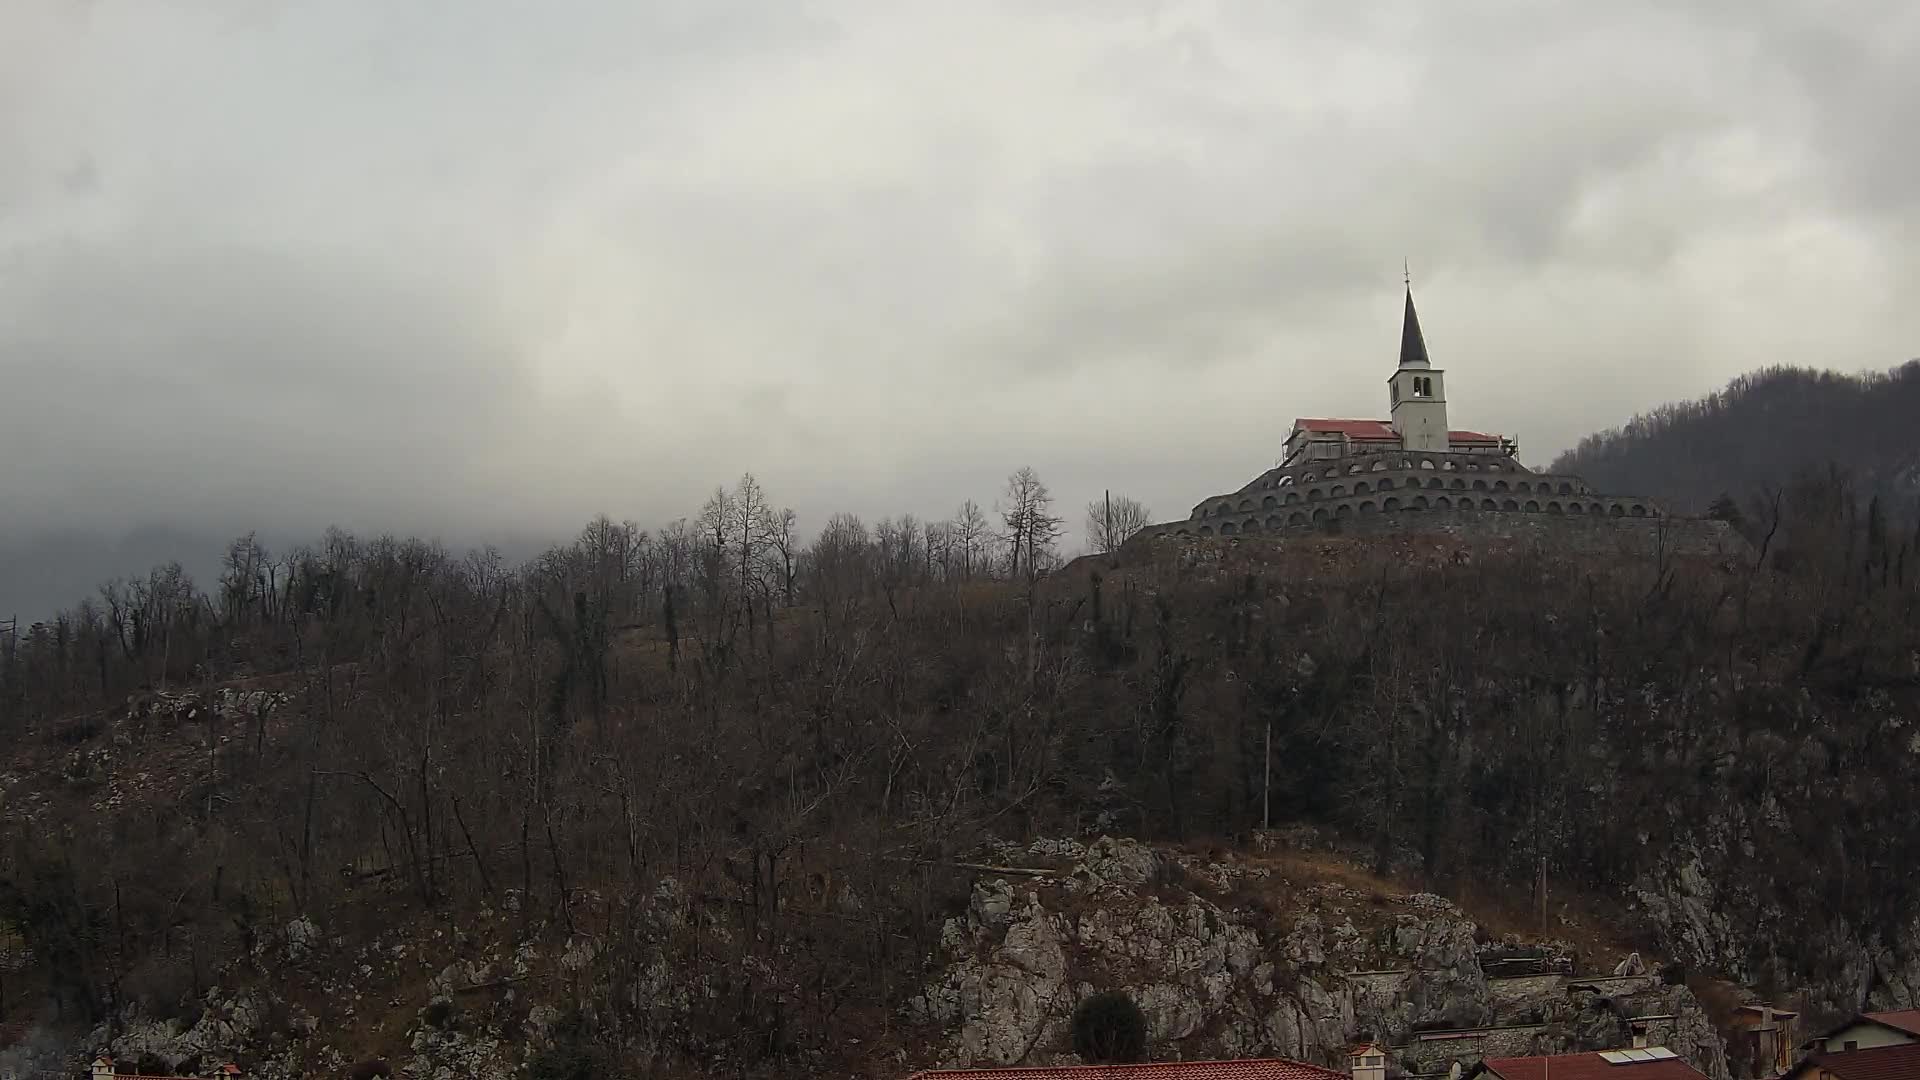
1251, 1069
1899, 1061
1868, 1031
1414, 471
1649, 1063
1763, 1037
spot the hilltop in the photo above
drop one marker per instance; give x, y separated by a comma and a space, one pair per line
1751, 437
618, 793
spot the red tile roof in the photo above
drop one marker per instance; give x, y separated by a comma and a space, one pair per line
1381, 430
1352, 429
1588, 1067
1879, 1063
1907, 1020
1251, 1069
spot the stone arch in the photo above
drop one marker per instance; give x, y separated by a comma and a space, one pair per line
1269, 503
1228, 528
1283, 481
1479, 485
1320, 514
1290, 498
1353, 468
1223, 508
1473, 466
1251, 525
1297, 518
1274, 522
1510, 505
1460, 483
1385, 484
1436, 482
1361, 488
1368, 507
1554, 507
1450, 466
1336, 491
1636, 510
1533, 506
1246, 504
1566, 488
1344, 510
1391, 504
1182, 532
1499, 485
1616, 510
1442, 503
1576, 508
1489, 504
1426, 463
1379, 465
1314, 494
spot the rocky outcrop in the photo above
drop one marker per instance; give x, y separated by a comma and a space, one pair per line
1241, 961
1227, 956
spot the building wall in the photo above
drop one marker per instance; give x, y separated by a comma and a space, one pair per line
1421, 421
1594, 534
1433, 1054
1868, 1036
1506, 989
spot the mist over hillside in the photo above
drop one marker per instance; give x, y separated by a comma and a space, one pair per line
1760, 430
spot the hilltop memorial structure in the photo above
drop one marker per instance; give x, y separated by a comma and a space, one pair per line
1414, 471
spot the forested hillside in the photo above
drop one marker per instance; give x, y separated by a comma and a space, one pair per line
1751, 437
797, 748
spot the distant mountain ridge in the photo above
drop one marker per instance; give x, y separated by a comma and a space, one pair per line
1758, 432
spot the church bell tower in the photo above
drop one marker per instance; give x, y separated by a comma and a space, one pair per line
1418, 390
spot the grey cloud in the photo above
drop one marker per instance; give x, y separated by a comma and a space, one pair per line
272, 265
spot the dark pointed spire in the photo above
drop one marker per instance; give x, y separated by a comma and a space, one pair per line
1413, 346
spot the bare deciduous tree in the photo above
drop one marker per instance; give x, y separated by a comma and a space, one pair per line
1112, 519
1030, 526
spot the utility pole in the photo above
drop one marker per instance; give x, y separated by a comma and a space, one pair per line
1266, 781
1107, 537
1543, 896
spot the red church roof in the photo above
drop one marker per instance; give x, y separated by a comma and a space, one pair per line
1252, 1069
1379, 430
1352, 429
1592, 1066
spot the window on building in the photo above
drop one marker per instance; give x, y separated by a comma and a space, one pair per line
1396, 393
1850, 1044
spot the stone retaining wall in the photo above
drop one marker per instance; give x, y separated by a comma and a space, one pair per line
1587, 535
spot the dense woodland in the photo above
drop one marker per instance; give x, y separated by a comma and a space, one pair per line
776, 727
1757, 432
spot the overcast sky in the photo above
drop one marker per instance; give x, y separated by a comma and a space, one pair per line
479, 267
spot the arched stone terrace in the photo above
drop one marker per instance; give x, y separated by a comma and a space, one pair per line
1332, 482
1310, 493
